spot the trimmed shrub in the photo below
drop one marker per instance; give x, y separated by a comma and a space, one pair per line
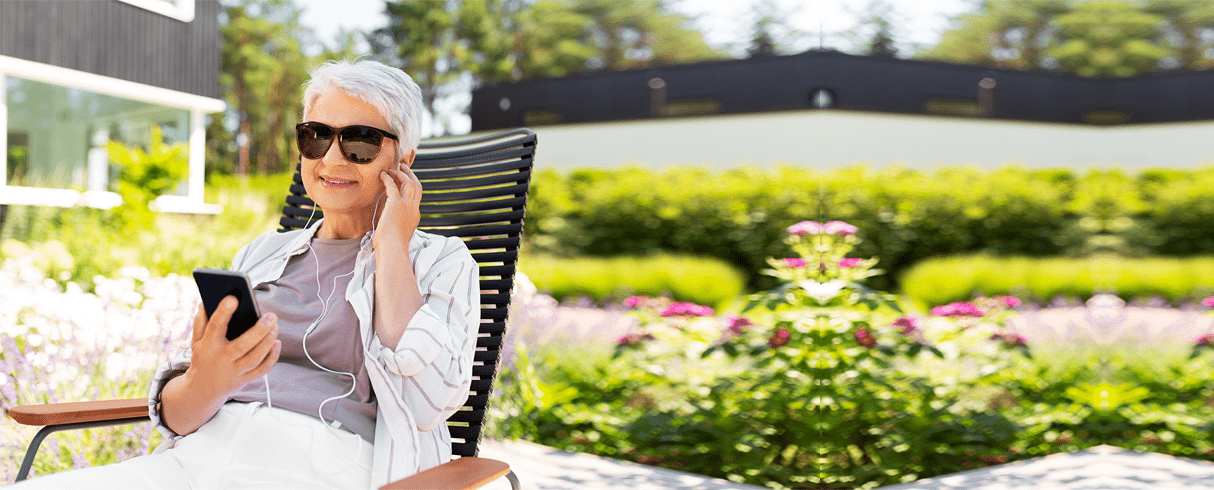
943, 280
684, 278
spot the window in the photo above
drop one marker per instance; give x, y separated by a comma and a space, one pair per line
540, 117
692, 107
57, 135
1106, 117
952, 107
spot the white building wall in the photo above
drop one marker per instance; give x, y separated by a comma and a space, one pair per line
830, 139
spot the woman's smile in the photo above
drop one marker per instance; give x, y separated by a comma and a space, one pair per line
337, 183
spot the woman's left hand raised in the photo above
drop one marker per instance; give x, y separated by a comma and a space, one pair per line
401, 211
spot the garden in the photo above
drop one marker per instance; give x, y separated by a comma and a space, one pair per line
790, 328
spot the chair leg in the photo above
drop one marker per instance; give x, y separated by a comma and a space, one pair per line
28, 462
513, 478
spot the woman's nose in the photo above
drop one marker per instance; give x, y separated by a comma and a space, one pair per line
333, 156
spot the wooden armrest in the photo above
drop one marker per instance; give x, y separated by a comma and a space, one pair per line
462, 473
76, 412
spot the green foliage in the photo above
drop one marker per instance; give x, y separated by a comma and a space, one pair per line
262, 70
145, 175
1099, 38
699, 280
905, 215
76, 244
739, 215
939, 281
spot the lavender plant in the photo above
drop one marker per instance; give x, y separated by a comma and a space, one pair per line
61, 344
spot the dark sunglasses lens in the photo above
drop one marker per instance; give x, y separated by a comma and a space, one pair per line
313, 139
360, 144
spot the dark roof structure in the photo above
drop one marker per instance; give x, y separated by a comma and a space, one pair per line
828, 79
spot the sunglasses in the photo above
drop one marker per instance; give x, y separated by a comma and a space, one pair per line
359, 144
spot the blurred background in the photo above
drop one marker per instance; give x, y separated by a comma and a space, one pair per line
1048, 151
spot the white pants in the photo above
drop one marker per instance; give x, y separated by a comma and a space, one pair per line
245, 446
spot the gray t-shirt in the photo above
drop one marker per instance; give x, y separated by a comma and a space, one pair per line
295, 382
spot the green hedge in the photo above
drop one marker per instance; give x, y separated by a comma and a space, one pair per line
943, 280
904, 216
700, 280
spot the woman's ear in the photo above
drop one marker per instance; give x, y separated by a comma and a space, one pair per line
407, 159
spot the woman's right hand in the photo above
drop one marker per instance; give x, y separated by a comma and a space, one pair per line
219, 366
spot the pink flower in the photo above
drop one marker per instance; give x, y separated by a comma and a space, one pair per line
850, 262
958, 309
1208, 302
686, 309
805, 228
1010, 301
794, 262
779, 339
634, 301
839, 228
1205, 340
1011, 339
907, 324
737, 325
865, 338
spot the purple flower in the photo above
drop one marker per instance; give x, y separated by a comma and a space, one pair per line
737, 325
634, 301
907, 324
850, 262
839, 228
1208, 302
779, 339
805, 228
686, 309
958, 309
794, 262
865, 338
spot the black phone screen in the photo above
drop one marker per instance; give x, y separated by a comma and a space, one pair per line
215, 284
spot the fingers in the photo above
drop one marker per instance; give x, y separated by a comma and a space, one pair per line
267, 348
265, 331
217, 325
267, 362
200, 324
410, 185
390, 185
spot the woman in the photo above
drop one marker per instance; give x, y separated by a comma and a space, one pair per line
366, 340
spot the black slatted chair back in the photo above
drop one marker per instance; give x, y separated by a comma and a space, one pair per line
474, 188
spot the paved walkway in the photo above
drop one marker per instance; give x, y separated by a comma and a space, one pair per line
1099, 468
543, 468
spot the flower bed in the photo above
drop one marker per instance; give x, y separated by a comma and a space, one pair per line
60, 344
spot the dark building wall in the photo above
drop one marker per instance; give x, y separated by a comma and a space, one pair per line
856, 83
118, 40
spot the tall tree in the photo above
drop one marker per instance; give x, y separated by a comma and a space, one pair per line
1190, 28
420, 39
1002, 33
1109, 38
260, 77
769, 30
876, 29
1086, 37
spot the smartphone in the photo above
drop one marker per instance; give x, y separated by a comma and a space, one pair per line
215, 284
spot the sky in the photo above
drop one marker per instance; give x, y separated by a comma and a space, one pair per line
722, 21
821, 23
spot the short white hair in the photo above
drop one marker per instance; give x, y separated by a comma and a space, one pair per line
390, 90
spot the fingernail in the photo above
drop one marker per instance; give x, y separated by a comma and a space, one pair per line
272, 318
229, 303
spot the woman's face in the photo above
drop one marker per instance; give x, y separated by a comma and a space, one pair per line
338, 185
